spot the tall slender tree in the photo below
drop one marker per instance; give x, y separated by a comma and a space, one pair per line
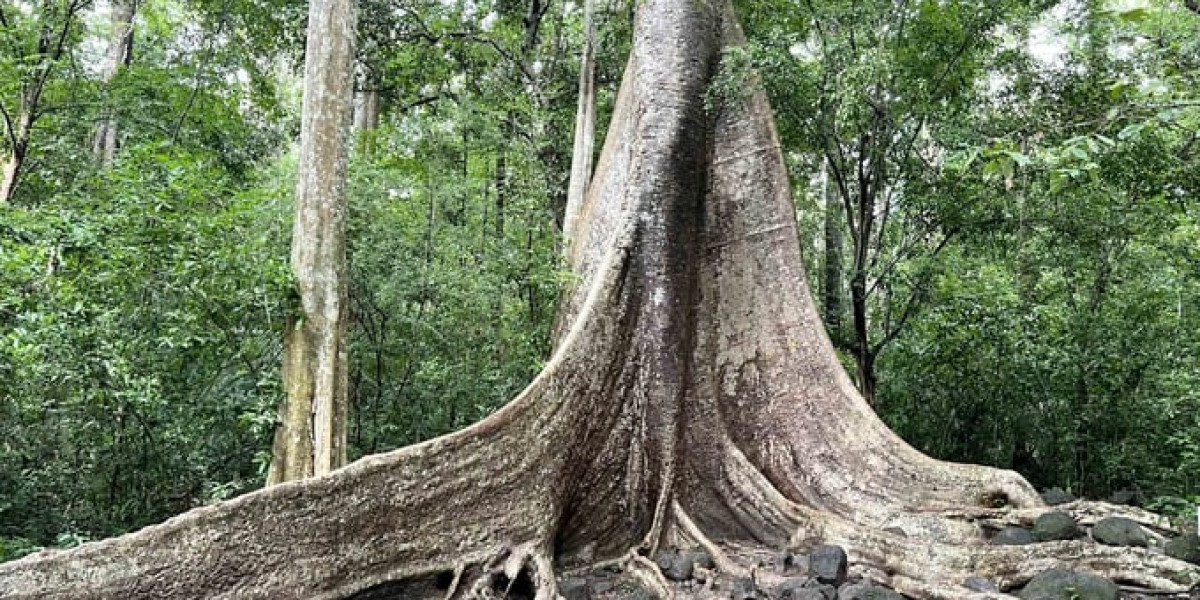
120, 54
585, 124
311, 437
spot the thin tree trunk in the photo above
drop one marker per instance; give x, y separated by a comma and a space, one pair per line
585, 126
832, 282
120, 53
19, 138
311, 437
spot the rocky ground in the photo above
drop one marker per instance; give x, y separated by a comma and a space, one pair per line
826, 573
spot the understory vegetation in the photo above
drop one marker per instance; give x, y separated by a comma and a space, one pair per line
998, 209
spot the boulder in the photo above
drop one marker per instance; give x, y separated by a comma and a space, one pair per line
1055, 526
828, 564
1056, 495
1185, 547
1120, 531
867, 591
1013, 536
1062, 584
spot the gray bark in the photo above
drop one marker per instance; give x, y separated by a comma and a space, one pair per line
695, 399
120, 53
311, 437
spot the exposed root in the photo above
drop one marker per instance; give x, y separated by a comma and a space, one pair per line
529, 564
453, 587
649, 575
1085, 512
722, 561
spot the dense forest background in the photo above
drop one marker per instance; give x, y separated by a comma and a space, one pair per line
998, 202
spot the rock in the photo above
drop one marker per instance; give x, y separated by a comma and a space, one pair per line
867, 591
979, 584
701, 558
1056, 495
743, 589
828, 564
1185, 547
574, 588
895, 531
1012, 536
1129, 497
1055, 526
1119, 531
680, 568
1061, 584
600, 586
803, 588
664, 558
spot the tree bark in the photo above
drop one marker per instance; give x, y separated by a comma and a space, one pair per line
585, 125
120, 53
311, 437
695, 399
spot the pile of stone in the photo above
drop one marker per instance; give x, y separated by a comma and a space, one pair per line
824, 574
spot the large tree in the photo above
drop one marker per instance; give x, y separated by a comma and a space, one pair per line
694, 399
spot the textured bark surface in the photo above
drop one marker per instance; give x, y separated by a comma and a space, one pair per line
695, 399
311, 437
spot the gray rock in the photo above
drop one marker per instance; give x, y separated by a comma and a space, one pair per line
1055, 496
681, 567
979, 584
1062, 584
867, 591
1013, 536
1185, 547
744, 589
828, 564
574, 588
1055, 526
895, 531
1119, 531
664, 558
701, 558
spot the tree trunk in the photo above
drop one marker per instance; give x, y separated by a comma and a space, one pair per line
120, 52
832, 282
585, 125
694, 400
311, 437
19, 139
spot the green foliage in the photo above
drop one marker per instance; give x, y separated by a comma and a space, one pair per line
139, 347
